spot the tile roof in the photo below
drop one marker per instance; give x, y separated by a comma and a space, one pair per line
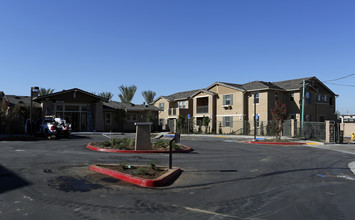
180, 95
259, 85
129, 106
234, 85
291, 84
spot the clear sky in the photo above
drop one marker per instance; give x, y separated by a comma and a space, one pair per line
174, 45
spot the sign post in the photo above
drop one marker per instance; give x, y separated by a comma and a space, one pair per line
177, 140
188, 123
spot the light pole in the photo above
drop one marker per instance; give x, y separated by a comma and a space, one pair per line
302, 114
34, 90
255, 116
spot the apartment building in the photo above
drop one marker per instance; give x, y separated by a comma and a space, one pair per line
230, 107
172, 106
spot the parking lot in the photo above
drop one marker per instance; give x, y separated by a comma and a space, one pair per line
223, 178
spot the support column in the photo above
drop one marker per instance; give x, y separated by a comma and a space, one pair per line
328, 133
143, 136
292, 127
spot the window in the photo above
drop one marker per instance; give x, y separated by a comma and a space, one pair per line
181, 104
108, 117
325, 99
161, 106
319, 98
72, 108
330, 100
228, 121
59, 108
256, 98
276, 96
228, 99
308, 98
292, 96
321, 118
131, 117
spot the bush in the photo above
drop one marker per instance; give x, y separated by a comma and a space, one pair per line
262, 129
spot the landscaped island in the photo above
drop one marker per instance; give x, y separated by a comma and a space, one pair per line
127, 145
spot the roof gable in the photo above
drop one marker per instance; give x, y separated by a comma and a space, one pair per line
71, 95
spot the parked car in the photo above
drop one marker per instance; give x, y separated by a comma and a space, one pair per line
51, 126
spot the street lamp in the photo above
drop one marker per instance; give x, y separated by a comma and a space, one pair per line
255, 116
34, 92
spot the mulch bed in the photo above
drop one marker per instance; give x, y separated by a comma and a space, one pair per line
134, 171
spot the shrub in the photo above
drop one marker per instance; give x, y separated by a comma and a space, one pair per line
106, 143
262, 129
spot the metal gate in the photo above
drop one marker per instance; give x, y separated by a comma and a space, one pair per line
286, 130
314, 130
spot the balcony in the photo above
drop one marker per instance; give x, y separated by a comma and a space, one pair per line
202, 109
178, 111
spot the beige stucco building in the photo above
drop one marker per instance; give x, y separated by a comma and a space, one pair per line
230, 107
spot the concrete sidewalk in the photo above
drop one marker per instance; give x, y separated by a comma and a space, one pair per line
343, 148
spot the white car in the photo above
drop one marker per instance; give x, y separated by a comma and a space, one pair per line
52, 126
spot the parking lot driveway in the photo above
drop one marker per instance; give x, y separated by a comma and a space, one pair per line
222, 179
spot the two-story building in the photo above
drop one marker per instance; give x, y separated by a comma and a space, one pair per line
231, 107
172, 106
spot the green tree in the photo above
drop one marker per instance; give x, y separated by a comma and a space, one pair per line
43, 91
106, 95
127, 93
181, 123
205, 122
278, 115
148, 96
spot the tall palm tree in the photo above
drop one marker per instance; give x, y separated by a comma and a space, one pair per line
106, 95
148, 96
44, 91
127, 93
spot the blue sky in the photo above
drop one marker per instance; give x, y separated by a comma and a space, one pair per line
174, 45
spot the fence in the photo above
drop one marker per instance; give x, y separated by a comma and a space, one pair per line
311, 130
263, 128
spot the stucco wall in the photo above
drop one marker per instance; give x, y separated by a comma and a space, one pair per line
348, 128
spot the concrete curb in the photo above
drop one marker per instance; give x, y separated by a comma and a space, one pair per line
161, 181
273, 143
89, 146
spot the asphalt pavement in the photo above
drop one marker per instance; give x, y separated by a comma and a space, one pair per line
223, 178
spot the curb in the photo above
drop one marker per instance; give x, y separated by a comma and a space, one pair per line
89, 146
164, 179
271, 143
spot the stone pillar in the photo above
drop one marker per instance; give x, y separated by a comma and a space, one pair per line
292, 127
143, 136
99, 116
327, 132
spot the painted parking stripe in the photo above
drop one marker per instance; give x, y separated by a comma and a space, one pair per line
352, 166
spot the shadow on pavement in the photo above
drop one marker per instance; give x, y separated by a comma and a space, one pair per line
10, 181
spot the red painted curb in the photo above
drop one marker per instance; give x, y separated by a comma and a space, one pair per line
173, 173
89, 146
273, 143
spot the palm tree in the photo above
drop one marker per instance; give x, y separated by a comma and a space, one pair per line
127, 93
148, 96
44, 91
106, 95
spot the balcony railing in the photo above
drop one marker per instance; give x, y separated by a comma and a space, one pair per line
202, 109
